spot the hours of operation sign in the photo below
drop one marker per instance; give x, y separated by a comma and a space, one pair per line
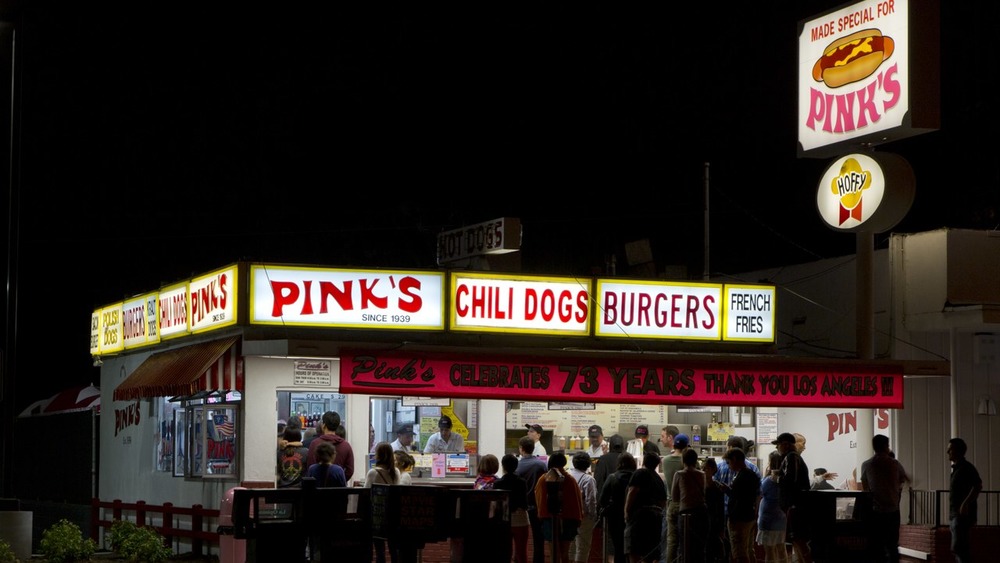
313, 372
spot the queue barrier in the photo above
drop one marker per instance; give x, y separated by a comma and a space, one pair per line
300, 524
481, 529
344, 520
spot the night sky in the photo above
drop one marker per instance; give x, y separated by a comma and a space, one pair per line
159, 145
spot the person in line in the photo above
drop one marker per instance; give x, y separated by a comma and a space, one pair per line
597, 446
715, 552
444, 440
800, 446
344, 453
771, 520
644, 503
742, 511
580, 550
531, 469
325, 471
560, 515
517, 491
612, 501
486, 472
688, 490
883, 476
963, 490
667, 435
404, 464
669, 465
608, 462
725, 475
535, 433
793, 482
384, 472
292, 459
404, 439
605, 466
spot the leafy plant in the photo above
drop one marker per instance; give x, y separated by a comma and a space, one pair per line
138, 543
7, 553
64, 542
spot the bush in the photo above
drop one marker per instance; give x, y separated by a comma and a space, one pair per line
138, 544
7, 553
64, 542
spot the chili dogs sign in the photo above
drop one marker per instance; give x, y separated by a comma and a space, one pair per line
657, 380
856, 84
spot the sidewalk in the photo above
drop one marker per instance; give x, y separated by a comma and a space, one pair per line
440, 552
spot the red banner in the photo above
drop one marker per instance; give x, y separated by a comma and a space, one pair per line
663, 380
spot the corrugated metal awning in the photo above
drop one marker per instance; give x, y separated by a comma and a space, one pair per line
208, 366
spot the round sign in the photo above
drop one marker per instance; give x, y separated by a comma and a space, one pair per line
866, 192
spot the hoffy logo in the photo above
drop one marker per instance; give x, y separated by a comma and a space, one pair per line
850, 186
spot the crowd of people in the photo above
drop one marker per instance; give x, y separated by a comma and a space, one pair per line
652, 508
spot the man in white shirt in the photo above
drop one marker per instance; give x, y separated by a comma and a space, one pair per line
404, 439
535, 433
598, 445
444, 440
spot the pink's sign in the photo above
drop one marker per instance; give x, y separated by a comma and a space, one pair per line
656, 381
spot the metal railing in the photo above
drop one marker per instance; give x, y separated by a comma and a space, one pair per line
931, 508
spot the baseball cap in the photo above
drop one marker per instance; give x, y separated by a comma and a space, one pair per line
444, 422
535, 427
595, 431
404, 429
681, 441
784, 437
642, 430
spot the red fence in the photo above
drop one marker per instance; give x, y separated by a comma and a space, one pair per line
201, 520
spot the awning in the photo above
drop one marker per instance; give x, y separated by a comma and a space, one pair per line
204, 367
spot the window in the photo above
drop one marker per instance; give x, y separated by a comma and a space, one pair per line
205, 438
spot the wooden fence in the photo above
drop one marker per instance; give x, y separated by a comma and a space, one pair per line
202, 523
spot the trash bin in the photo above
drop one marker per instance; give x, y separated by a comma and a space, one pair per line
231, 550
15, 527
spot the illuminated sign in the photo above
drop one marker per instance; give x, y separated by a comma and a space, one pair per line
664, 380
212, 300
324, 297
525, 304
139, 326
856, 84
868, 192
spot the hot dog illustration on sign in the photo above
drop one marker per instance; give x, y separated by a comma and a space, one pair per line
853, 58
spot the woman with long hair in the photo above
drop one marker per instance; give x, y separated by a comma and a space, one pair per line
383, 473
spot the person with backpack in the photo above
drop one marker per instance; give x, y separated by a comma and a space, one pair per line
292, 458
793, 484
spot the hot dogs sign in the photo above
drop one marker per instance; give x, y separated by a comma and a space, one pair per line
854, 78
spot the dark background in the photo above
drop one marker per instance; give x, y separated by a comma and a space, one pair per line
157, 145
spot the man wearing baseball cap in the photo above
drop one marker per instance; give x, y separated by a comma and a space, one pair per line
641, 445
404, 439
598, 445
535, 433
444, 440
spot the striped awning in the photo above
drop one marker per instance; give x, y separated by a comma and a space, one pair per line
207, 366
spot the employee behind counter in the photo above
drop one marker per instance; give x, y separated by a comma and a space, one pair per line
444, 440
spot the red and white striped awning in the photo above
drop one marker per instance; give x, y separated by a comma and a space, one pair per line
206, 366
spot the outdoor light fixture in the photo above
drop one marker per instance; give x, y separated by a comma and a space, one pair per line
98, 362
987, 406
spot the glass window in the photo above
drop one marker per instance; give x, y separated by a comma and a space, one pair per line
205, 439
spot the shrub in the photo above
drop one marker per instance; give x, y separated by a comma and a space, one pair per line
64, 542
7, 553
138, 544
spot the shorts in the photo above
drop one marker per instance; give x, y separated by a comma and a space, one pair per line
519, 518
